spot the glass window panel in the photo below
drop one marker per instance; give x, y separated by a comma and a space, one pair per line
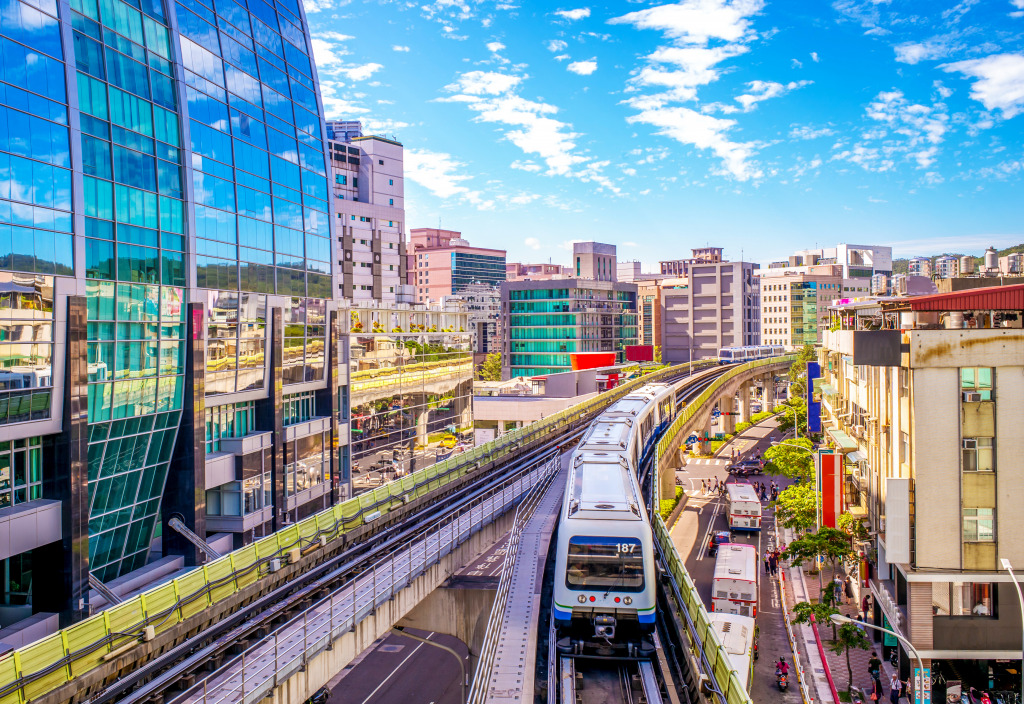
136, 207
130, 111
96, 157
127, 73
134, 168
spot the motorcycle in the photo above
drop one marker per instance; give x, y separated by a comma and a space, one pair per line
781, 679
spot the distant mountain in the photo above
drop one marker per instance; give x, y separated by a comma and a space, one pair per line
899, 266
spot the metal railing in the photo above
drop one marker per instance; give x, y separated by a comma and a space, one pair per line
253, 674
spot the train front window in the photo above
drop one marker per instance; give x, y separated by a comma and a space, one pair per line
599, 563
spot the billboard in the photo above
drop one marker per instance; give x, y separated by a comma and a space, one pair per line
591, 360
830, 467
639, 353
813, 397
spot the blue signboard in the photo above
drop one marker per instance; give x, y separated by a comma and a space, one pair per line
715, 413
813, 397
692, 439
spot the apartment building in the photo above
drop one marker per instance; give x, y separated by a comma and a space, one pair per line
794, 304
545, 322
920, 266
923, 396
680, 268
718, 305
442, 263
947, 267
517, 271
368, 187
594, 260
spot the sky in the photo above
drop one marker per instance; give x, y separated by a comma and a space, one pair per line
761, 127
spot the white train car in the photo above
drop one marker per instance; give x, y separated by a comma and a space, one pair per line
604, 586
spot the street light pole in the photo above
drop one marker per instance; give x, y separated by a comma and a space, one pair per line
839, 620
1020, 598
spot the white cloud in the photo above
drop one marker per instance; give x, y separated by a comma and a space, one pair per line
814, 57
361, 72
704, 132
441, 174
628, 244
1000, 83
495, 47
528, 124
399, 47
928, 50
562, 57
556, 45
573, 15
526, 166
583, 68
532, 242
765, 90
901, 131
808, 132
697, 21
796, 63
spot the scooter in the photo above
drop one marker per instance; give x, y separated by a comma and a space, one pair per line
781, 679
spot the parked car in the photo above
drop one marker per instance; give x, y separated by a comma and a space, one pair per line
717, 538
744, 468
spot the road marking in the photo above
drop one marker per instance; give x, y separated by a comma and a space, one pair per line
397, 668
707, 533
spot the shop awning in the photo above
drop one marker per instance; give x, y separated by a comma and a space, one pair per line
855, 457
828, 389
842, 440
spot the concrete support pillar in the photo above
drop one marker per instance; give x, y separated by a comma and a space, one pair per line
728, 423
421, 427
769, 391
744, 404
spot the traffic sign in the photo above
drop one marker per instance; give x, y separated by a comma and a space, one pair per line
715, 413
692, 439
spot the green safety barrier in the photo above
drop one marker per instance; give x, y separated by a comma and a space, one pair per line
43, 666
733, 690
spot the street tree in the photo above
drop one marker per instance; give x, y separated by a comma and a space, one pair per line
852, 526
798, 371
793, 459
795, 508
490, 370
821, 611
849, 637
825, 543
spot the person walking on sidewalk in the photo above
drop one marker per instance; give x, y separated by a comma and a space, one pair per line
767, 562
894, 688
875, 666
773, 562
703, 487
905, 689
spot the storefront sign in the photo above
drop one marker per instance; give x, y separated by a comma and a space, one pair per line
923, 692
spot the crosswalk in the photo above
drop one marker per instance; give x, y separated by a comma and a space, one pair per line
713, 462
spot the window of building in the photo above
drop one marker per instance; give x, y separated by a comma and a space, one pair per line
977, 380
298, 408
979, 525
355, 182
391, 201
21, 471
978, 454
964, 599
230, 420
341, 180
380, 161
391, 182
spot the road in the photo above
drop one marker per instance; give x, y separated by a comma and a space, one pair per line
691, 533
399, 670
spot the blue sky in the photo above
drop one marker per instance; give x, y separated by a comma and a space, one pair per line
759, 126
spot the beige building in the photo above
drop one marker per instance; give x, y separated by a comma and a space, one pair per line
794, 304
924, 396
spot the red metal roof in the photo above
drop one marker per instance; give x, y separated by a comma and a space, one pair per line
988, 298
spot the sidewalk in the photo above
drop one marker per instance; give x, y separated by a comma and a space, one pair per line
836, 663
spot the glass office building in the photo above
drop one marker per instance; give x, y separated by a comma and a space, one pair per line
165, 244
544, 322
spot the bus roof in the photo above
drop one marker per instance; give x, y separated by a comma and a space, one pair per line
737, 635
736, 561
742, 492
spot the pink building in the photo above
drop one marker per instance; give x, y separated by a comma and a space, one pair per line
514, 271
441, 263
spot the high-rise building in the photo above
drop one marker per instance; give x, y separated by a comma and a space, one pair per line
859, 261
920, 266
442, 263
794, 306
922, 398
344, 130
483, 308
545, 322
594, 260
648, 297
718, 306
368, 182
168, 285
947, 267
681, 267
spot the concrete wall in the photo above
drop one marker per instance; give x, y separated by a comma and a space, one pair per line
321, 668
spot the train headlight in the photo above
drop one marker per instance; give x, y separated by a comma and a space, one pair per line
627, 600
582, 599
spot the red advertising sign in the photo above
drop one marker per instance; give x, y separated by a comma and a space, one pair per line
831, 472
639, 353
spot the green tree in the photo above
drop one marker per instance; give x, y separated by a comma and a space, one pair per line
657, 354
849, 637
490, 370
797, 371
803, 611
796, 508
793, 459
852, 526
829, 543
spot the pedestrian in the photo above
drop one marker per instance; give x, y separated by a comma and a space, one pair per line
894, 688
767, 563
875, 667
905, 689
849, 589
703, 487
837, 588
773, 562
866, 605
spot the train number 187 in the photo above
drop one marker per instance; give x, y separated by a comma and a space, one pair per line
625, 548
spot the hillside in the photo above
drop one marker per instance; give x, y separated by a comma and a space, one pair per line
899, 266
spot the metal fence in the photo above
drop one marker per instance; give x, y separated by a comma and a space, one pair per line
40, 667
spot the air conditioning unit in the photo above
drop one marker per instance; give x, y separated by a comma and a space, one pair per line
971, 397
858, 431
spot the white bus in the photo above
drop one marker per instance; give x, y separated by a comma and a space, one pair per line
734, 587
737, 635
744, 507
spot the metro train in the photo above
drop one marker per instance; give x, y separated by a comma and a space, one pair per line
604, 585
730, 355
